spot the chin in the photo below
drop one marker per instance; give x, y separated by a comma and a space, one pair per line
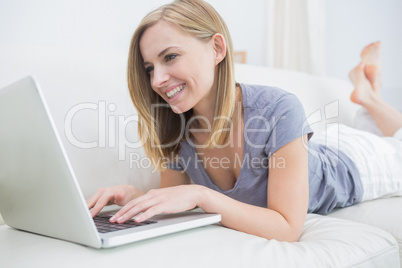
179, 110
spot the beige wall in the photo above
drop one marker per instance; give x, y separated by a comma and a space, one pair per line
1, 220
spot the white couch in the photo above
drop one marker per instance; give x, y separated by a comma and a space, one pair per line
365, 235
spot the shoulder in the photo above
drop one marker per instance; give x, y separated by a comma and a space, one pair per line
277, 114
267, 97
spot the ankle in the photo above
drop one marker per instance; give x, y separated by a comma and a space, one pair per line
372, 101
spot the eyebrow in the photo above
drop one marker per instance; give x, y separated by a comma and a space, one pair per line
163, 52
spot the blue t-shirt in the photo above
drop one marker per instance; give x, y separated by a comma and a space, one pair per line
273, 118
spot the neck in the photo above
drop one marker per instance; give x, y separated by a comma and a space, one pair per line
205, 111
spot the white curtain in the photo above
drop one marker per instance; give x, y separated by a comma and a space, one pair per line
295, 35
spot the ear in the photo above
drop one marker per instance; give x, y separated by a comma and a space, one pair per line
219, 47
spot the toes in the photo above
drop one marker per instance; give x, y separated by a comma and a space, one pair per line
371, 53
366, 50
377, 44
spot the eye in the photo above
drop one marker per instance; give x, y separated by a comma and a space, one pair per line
170, 57
148, 70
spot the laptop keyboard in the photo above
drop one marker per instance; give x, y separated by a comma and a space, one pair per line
105, 226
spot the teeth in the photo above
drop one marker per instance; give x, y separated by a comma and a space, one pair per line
174, 91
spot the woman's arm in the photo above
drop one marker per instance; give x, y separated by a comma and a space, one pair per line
287, 199
282, 220
171, 177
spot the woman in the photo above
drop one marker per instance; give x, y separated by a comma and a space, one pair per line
243, 146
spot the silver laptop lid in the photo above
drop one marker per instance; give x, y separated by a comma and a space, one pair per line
38, 189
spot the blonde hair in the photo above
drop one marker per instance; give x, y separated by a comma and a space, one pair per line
158, 132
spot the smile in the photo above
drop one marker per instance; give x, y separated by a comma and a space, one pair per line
175, 91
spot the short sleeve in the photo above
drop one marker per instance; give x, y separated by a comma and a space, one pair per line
175, 166
287, 122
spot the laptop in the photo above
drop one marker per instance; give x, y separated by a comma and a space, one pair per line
39, 192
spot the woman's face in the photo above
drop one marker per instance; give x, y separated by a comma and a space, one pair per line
181, 68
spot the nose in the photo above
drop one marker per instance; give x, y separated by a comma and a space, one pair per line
159, 77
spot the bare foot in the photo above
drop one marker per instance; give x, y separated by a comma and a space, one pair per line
363, 92
371, 58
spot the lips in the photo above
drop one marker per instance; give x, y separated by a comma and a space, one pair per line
173, 92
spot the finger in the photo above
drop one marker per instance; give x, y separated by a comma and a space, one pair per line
92, 200
133, 210
121, 199
123, 211
130, 205
149, 213
103, 201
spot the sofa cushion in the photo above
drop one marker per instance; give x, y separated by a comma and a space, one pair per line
342, 243
382, 213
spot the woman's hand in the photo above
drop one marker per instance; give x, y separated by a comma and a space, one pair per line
118, 195
156, 201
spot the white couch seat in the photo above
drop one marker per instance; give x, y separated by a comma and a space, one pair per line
383, 213
325, 242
